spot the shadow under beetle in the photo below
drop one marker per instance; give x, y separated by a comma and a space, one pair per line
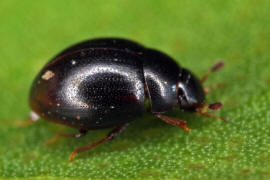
103, 83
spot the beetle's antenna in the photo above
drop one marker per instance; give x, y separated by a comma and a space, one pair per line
215, 106
214, 86
215, 68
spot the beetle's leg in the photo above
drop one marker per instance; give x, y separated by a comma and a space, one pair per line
206, 114
33, 117
215, 106
215, 68
81, 133
108, 137
176, 122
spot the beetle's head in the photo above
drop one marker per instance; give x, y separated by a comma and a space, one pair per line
191, 95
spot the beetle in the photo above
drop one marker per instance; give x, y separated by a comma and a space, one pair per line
105, 82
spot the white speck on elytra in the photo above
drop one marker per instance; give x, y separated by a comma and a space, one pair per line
112, 107
84, 105
47, 75
73, 62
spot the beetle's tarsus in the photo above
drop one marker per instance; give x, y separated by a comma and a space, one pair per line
206, 114
24, 123
33, 117
215, 106
52, 140
176, 122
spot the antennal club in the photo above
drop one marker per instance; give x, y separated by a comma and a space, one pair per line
215, 106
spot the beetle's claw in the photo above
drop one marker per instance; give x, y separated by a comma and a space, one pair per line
72, 155
52, 140
187, 129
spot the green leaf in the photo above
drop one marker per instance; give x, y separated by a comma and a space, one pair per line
196, 34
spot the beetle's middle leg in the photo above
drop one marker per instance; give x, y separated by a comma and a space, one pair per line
109, 136
81, 133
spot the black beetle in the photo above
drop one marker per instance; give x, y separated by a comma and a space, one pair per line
103, 83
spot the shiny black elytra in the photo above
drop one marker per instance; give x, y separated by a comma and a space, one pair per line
103, 83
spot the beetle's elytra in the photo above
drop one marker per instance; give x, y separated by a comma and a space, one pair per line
103, 83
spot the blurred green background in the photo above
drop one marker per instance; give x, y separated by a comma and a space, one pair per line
195, 33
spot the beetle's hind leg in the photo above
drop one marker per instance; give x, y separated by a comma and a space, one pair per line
33, 117
108, 137
81, 133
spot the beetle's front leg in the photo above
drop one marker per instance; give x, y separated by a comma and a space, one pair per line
109, 136
173, 121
